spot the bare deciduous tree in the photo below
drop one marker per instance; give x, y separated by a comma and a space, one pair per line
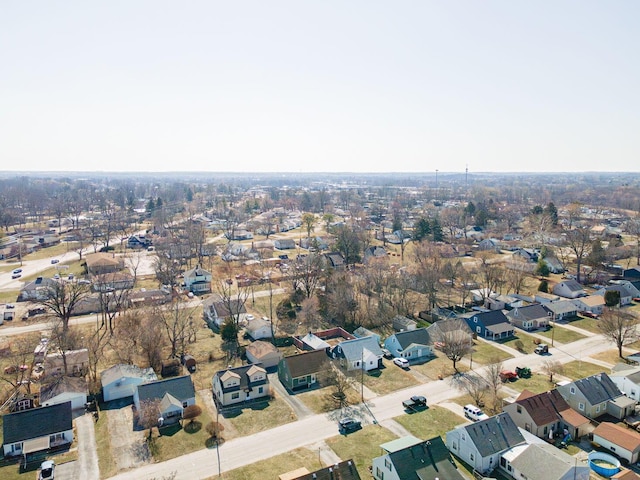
579, 241
619, 326
62, 299
454, 339
473, 385
178, 320
149, 414
551, 368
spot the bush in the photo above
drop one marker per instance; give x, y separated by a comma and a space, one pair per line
544, 286
519, 346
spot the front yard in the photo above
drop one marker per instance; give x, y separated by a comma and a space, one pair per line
260, 416
431, 422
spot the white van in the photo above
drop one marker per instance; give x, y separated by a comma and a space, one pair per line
474, 413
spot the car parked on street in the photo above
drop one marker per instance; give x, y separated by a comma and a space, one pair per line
348, 424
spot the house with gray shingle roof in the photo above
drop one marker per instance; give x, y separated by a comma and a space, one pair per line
175, 394
480, 444
237, 385
596, 395
345, 470
531, 317
561, 309
198, 280
414, 345
359, 353
569, 289
122, 380
492, 325
37, 429
542, 460
409, 458
626, 290
302, 370
627, 379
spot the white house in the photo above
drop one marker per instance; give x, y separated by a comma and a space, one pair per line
121, 381
541, 460
197, 280
627, 379
569, 289
623, 442
240, 384
175, 394
258, 328
37, 429
590, 303
63, 389
76, 361
263, 352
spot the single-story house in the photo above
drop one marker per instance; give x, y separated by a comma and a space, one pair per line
99, 263
531, 317
561, 310
569, 289
335, 260
284, 244
627, 292
259, 328
623, 442
414, 345
361, 332
312, 342
627, 379
449, 330
492, 325
37, 429
175, 394
590, 303
302, 370
265, 353
240, 384
122, 380
542, 460
61, 389
358, 354
36, 290
374, 252
401, 323
528, 254
76, 361
108, 282
409, 458
215, 310
197, 280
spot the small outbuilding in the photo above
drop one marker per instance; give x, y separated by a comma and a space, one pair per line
189, 362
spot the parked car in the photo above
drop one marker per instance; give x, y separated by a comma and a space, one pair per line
474, 413
54, 261
17, 270
46, 470
589, 314
401, 362
542, 349
348, 424
508, 376
16, 275
415, 403
386, 353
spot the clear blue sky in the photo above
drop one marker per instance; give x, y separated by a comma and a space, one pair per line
297, 85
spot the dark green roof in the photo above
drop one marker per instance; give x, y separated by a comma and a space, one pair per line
427, 460
180, 387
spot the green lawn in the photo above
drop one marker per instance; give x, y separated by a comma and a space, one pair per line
561, 335
275, 466
261, 416
538, 383
9, 296
320, 400
108, 466
361, 446
580, 369
431, 422
590, 324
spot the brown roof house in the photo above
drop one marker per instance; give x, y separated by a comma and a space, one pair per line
621, 441
546, 415
237, 385
100, 263
265, 353
301, 371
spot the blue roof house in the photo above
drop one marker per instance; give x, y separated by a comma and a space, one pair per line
360, 353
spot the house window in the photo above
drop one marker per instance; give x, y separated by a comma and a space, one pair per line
16, 447
56, 437
464, 438
475, 319
471, 457
519, 409
633, 393
379, 473
235, 396
260, 389
478, 329
613, 449
387, 464
503, 462
454, 446
572, 390
581, 407
598, 409
545, 431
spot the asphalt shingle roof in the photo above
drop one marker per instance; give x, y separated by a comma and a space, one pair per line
419, 336
494, 434
426, 460
36, 422
598, 388
306, 363
179, 387
352, 349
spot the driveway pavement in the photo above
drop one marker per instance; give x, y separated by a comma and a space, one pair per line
87, 467
316, 428
127, 445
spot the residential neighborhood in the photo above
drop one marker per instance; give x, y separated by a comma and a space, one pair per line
177, 348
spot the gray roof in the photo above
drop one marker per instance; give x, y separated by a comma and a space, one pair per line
244, 378
419, 336
488, 319
62, 384
494, 435
123, 370
561, 306
352, 349
36, 422
179, 387
530, 312
534, 460
345, 470
572, 285
598, 388
305, 363
426, 460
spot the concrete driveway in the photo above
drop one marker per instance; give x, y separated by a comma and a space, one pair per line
128, 446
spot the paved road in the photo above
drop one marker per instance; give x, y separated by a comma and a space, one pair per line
312, 430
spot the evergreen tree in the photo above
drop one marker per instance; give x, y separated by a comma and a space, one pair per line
552, 211
436, 230
544, 286
422, 229
542, 269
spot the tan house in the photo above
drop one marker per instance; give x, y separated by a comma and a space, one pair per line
591, 303
263, 352
241, 384
100, 263
77, 362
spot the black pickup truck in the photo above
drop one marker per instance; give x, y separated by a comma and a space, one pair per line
415, 403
